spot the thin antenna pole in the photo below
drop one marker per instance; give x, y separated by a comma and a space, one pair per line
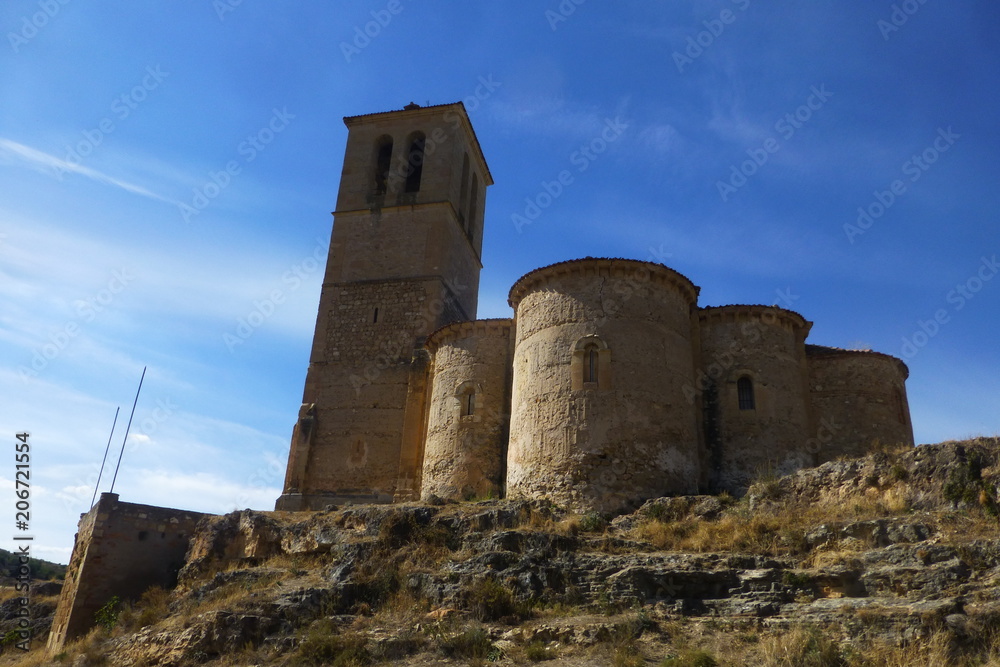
105, 459
122, 453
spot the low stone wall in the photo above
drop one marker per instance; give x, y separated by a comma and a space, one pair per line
121, 549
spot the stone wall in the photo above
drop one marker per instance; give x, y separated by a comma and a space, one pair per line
764, 347
627, 434
406, 243
858, 398
121, 549
467, 427
360, 393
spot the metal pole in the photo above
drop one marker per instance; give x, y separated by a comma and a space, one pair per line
105, 459
122, 453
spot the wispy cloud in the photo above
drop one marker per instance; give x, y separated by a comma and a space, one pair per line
51, 165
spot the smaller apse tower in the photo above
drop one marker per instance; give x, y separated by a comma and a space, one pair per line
404, 261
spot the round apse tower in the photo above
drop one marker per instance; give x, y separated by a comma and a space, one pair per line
859, 398
468, 416
754, 383
602, 353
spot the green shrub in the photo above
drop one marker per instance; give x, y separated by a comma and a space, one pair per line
472, 644
796, 580
537, 651
593, 523
966, 485
107, 616
490, 601
322, 646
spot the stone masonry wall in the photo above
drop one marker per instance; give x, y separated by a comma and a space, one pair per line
466, 446
765, 345
360, 394
410, 242
121, 549
632, 434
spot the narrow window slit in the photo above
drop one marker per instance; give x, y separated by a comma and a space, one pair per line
744, 391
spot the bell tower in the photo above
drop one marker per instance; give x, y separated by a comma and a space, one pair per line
404, 261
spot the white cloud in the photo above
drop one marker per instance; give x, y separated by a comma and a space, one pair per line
205, 492
35, 159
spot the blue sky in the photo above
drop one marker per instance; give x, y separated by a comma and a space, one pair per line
732, 140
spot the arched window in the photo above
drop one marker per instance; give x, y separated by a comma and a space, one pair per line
591, 362
744, 392
415, 163
463, 194
383, 163
590, 366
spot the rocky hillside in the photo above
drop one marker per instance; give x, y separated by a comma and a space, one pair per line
893, 560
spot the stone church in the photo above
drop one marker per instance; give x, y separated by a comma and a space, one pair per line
608, 386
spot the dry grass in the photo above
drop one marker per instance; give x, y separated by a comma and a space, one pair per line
9, 593
36, 657
152, 607
401, 609
815, 647
775, 527
774, 534
231, 596
90, 646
